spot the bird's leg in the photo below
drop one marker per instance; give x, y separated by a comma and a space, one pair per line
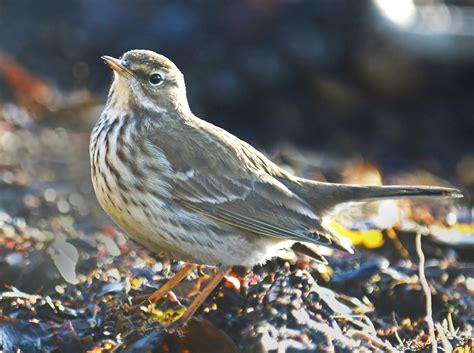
202, 277
159, 293
220, 274
201, 273
172, 282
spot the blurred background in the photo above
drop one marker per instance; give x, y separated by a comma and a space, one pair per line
369, 92
392, 81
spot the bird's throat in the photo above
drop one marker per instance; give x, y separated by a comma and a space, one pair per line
119, 94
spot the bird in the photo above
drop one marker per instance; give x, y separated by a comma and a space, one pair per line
193, 192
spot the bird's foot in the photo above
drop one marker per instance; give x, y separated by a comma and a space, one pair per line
164, 312
132, 309
202, 278
176, 327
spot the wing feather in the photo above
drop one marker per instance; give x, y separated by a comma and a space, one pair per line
229, 181
257, 206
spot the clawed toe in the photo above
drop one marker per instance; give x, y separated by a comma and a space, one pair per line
175, 327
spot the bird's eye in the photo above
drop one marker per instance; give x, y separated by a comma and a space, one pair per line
156, 79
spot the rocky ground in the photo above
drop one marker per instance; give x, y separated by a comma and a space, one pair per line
67, 276
330, 90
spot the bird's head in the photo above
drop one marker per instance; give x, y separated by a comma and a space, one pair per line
145, 79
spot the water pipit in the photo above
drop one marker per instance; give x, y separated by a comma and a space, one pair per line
193, 192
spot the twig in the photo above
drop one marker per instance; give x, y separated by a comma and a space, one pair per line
426, 289
448, 348
377, 342
392, 235
451, 328
397, 336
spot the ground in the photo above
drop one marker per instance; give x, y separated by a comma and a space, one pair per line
68, 276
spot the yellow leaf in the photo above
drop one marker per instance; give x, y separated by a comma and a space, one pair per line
136, 282
167, 315
371, 238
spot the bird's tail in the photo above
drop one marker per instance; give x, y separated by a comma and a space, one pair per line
326, 196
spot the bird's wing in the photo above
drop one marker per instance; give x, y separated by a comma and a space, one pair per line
217, 180
260, 206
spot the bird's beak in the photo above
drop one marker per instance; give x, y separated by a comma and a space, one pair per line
116, 65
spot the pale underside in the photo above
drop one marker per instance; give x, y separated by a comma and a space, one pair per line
205, 202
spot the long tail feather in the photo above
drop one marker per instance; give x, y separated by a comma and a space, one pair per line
326, 196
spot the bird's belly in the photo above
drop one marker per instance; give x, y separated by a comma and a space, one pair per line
186, 236
181, 234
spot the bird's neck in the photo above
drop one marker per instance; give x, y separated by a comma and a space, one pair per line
119, 95
180, 103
